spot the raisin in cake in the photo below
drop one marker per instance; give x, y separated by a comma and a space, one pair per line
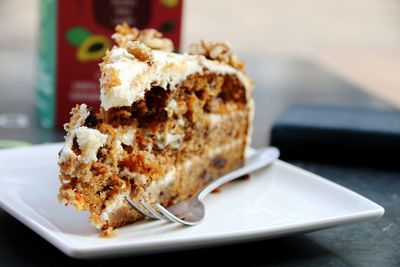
168, 124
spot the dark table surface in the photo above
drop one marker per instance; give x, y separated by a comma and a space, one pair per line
280, 84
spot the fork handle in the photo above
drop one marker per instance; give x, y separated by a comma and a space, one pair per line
261, 158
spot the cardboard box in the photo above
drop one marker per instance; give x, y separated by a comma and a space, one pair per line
74, 36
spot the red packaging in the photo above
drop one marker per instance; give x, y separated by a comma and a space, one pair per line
74, 35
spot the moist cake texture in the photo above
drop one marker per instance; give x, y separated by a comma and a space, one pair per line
168, 124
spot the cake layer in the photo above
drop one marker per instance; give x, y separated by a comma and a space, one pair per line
202, 125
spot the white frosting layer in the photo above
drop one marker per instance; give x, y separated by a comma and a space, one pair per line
156, 185
89, 141
82, 114
127, 136
171, 107
168, 139
215, 119
166, 70
66, 152
113, 204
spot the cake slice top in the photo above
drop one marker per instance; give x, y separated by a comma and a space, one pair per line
140, 61
143, 59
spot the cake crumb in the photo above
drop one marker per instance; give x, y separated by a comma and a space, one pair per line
217, 190
109, 232
245, 177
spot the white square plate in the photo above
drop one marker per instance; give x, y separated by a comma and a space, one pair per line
276, 201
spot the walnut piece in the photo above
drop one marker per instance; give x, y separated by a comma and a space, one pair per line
220, 51
140, 51
154, 39
124, 33
150, 37
109, 78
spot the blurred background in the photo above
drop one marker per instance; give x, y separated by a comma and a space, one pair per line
357, 38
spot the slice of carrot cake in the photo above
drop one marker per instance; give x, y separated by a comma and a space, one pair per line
168, 124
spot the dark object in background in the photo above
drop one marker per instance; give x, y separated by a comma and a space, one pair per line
339, 135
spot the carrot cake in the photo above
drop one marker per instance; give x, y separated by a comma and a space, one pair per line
168, 124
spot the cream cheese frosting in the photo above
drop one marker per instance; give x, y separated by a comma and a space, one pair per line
166, 70
89, 141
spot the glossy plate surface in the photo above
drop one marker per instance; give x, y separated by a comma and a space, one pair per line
276, 201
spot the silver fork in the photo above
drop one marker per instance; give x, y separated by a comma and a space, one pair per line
191, 211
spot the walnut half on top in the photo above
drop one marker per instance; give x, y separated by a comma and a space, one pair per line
150, 37
220, 51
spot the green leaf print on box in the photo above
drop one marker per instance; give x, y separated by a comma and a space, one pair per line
77, 35
90, 47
